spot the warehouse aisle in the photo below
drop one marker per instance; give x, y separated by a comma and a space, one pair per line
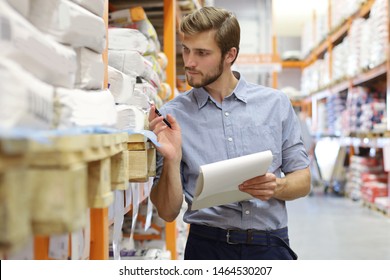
327, 227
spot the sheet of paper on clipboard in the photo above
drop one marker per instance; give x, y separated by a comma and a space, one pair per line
218, 182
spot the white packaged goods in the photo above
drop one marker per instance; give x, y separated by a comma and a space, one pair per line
152, 58
130, 117
136, 18
22, 6
163, 60
127, 17
365, 44
69, 23
140, 254
147, 28
26, 102
90, 70
77, 107
127, 39
379, 39
145, 88
321, 28
39, 54
354, 52
94, 6
339, 12
140, 99
133, 63
165, 92
121, 85
340, 60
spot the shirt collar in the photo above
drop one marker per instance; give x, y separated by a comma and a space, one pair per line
240, 92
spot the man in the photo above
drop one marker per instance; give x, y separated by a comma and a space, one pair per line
224, 117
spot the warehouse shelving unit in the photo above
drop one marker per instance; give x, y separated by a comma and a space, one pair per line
99, 163
376, 77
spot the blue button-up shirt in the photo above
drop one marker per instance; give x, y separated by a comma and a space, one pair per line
251, 119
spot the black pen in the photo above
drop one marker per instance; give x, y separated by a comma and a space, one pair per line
164, 119
159, 114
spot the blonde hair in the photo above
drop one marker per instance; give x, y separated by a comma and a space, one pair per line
225, 24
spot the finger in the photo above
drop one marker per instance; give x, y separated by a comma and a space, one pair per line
257, 189
159, 128
268, 177
155, 122
261, 194
152, 114
157, 125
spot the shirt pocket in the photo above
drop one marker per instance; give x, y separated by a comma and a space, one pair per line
259, 138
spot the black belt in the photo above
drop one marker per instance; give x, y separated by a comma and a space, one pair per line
272, 238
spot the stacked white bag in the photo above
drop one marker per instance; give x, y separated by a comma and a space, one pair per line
125, 49
134, 55
60, 43
26, 101
379, 38
72, 24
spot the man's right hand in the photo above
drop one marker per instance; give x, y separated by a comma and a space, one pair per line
169, 138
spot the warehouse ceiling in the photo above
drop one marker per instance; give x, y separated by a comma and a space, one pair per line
290, 16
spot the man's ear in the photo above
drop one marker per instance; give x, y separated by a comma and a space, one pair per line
231, 55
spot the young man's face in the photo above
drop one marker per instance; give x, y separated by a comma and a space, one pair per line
203, 63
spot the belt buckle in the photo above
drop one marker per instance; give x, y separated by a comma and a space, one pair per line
228, 238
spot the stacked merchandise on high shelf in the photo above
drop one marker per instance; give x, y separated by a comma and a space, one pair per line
359, 50
137, 79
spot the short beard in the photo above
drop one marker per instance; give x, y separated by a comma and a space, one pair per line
208, 79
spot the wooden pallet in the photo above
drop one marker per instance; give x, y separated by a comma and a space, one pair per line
142, 158
15, 201
46, 188
15, 196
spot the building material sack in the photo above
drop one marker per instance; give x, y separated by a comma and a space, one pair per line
127, 39
133, 63
94, 6
130, 117
80, 108
69, 23
39, 54
121, 85
26, 102
21, 6
90, 69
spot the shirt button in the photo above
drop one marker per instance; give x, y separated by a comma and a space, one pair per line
226, 114
230, 139
247, 212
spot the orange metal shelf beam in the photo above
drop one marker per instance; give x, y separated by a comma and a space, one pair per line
292, 64
170, 52
41, 248
170, 41
99, 234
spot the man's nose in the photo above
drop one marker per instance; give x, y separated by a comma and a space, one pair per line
189, 61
